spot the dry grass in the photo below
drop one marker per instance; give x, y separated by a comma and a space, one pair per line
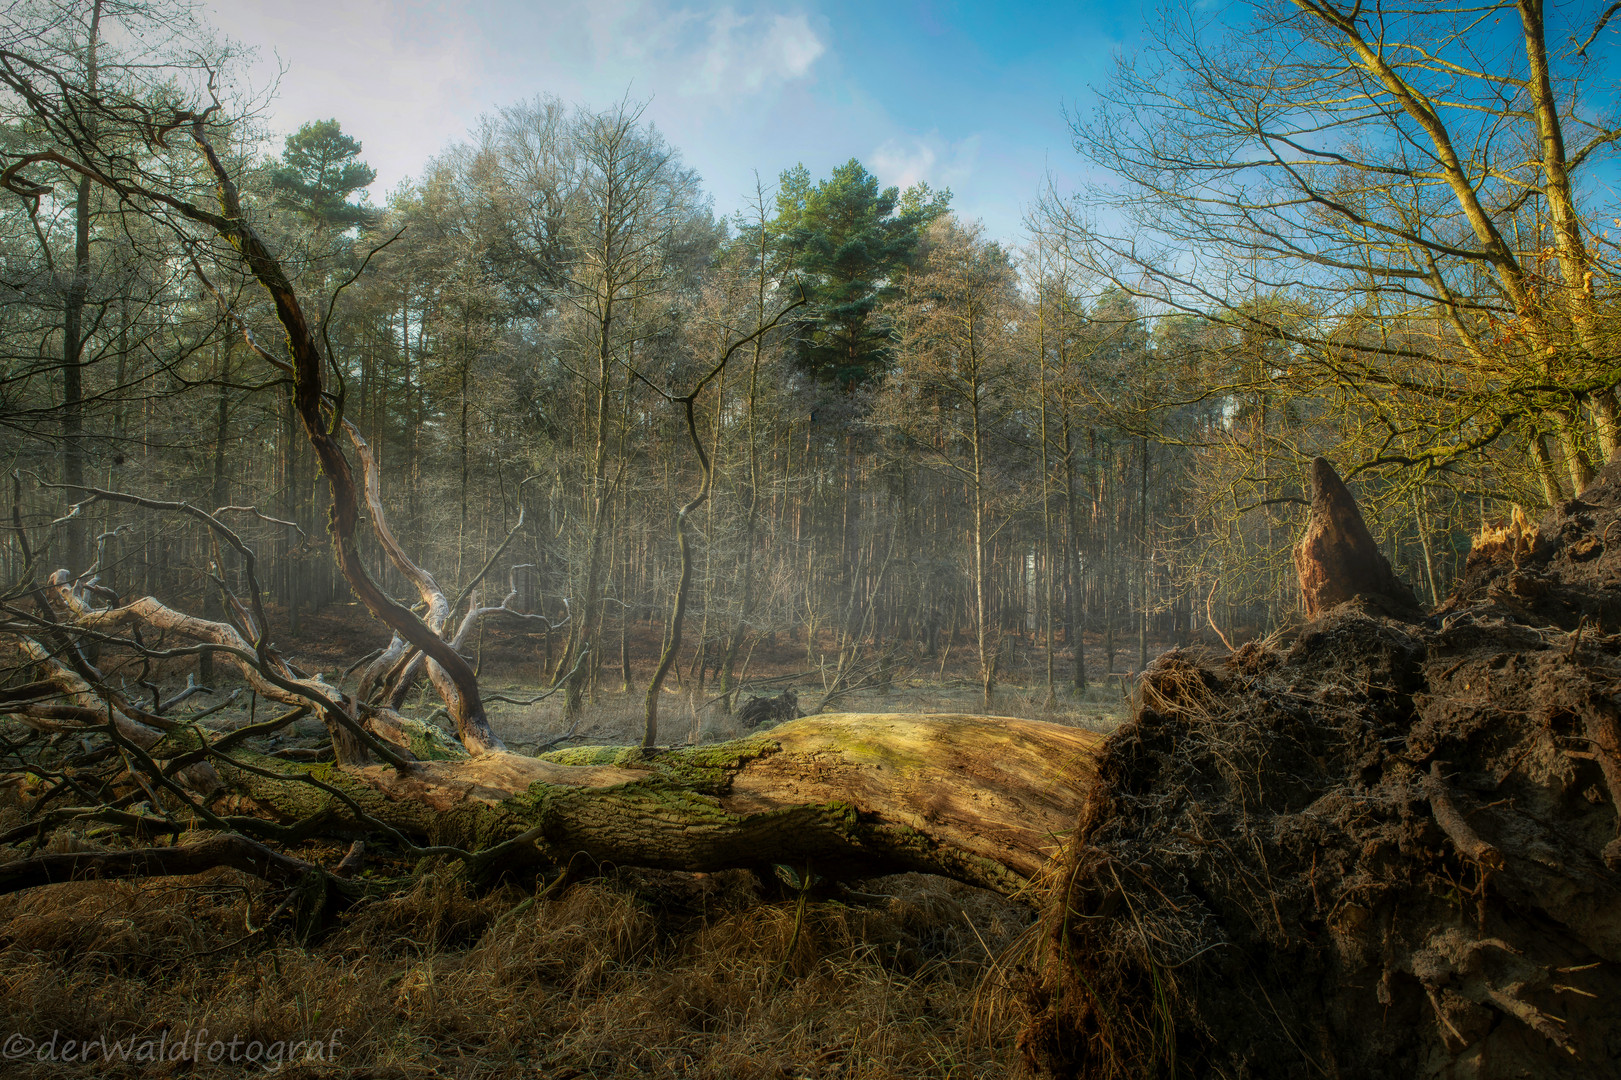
636, 974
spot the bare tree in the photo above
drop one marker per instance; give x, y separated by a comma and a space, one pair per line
633, 205
706, 474
1412, 176
955, 389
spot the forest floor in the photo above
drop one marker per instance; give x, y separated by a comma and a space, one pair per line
632, 973
623, 973
615, 717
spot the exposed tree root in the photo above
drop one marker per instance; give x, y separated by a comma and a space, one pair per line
1385, 849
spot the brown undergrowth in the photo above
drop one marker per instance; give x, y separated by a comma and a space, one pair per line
1383, 848
631, 974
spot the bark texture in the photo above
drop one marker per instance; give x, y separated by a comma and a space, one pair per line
987, 800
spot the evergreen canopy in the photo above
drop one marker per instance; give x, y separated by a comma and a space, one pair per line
849, 241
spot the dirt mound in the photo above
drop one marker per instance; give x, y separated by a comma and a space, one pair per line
1387, 849
1566, 571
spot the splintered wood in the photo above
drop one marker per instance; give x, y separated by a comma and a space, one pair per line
1338, 559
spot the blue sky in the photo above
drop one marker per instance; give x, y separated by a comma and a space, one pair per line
969, 96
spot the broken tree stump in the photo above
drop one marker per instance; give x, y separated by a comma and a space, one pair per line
1338, 559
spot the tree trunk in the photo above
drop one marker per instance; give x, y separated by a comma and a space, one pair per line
751, 516
1049, 599
981, 799
598, 501
1074, 573
678, 614
73, 338
1142, 563
1337, 559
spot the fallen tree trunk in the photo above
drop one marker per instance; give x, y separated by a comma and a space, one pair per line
987, 800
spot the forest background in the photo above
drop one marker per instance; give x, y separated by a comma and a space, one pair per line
1378, 237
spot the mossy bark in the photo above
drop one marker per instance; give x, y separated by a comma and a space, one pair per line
987, 800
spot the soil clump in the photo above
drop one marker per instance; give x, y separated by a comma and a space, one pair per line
1384, 848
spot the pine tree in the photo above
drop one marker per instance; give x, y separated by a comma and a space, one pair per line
320, 170
848, 240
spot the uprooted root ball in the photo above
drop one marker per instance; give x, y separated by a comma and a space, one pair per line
1387, 849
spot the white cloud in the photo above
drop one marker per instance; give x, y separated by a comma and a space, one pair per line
903, 165
751, 52
715, 75
694, 51
928, 159
792, 41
